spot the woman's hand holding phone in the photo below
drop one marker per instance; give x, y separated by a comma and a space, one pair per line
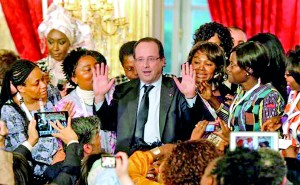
199, 130
225, 130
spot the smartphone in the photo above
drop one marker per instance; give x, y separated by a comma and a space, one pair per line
108, 161
211, 127
43, 119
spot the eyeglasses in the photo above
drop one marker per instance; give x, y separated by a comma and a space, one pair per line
150, 59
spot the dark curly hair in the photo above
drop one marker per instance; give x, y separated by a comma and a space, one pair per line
70, 62
215, 54
187, 162
272, 167
208, 30
7, 58
238, 167
264, 166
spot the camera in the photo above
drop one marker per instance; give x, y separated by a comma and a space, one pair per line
43, 119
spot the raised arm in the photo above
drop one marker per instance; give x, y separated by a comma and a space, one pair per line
101, 83
187, 85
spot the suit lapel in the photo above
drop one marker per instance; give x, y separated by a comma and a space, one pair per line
166, 96
132, 107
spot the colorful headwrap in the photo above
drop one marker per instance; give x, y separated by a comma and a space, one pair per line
78, 33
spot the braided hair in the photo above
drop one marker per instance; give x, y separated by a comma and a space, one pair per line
16, 76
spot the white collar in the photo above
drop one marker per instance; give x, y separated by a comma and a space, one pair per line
155, 84
87, 96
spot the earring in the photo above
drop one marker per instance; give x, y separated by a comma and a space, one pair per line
247, 74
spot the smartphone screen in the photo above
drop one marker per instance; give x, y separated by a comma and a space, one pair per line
210, 127
43, 119
108, 161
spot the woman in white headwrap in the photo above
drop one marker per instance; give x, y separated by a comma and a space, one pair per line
61, 33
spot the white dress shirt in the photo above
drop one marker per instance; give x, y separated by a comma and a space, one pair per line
151, 131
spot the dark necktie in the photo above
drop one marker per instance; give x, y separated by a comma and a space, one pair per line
142, 115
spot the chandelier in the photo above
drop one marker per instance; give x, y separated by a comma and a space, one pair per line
107, 22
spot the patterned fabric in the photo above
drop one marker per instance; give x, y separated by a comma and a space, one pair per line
121, 79
53, 68
293, 123
108, 138
46, 147
249, 115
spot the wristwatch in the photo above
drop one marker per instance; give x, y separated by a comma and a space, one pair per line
155, 151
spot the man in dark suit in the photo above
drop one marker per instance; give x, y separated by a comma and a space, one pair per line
169, 101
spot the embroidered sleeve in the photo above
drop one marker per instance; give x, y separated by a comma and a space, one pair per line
272, 105
223, 112
16, 129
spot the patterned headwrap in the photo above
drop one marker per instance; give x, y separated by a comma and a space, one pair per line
78, 33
